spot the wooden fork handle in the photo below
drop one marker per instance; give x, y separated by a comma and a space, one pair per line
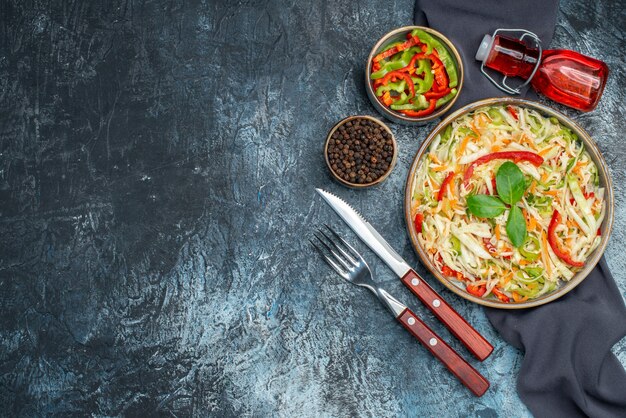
473, 380
475, 343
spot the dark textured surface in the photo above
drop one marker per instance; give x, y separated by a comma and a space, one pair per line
157, 167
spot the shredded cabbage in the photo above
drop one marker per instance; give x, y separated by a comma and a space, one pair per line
479, 249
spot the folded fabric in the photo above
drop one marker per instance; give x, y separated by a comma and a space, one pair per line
568, 368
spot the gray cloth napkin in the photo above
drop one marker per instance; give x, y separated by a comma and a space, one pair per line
568, 368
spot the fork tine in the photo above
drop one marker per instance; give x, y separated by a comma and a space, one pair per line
328, 260
354, 252
334, 243
346, 267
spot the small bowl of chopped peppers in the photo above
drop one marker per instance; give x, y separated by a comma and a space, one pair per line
414, 75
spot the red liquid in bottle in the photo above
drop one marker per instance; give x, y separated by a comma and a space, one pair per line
571, 78
564, 76
511, 57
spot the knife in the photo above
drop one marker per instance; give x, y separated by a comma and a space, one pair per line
457, 325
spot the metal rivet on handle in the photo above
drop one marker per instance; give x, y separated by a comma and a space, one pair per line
415, 282
436, 303
433, 341
411, 321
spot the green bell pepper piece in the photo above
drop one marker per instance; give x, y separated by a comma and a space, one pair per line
444, 55
530, 250
402, 100
389, 46
447, 133
418, 103
403, 61
496, 116
534, 271
425, 84
387, 68
445, 99
399, 87
456, 244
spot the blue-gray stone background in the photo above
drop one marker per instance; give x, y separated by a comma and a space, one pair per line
158, 161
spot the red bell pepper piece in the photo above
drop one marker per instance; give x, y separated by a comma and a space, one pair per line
512, 112
434, 57
386, 98
587, 197
420, 113
414, 58
419, 218
531, 157
400, 74
437, 95
385, 54
554, 243
476, 290
441, 78
444, 186
414, 40
447, 271
503, 298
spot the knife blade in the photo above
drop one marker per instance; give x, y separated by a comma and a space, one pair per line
457, 325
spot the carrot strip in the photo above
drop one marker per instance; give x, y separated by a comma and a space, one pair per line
544, 252
546, 151
462, 146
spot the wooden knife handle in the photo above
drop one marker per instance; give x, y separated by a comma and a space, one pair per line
475, 343
473, 380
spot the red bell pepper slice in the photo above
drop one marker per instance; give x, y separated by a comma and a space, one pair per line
414, 40
420, 113
444, 186
437, 95
419, 218
497, 293
531, 157
512, 112
434, 57
441, 78
447, 271
386, 98
414, 59
476, 290
400, 74
554, 243
435, 60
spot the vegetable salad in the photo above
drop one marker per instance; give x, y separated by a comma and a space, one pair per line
507, 203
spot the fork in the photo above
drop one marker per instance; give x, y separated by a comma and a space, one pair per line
349, 264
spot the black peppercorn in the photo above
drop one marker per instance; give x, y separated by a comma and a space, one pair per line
360, 151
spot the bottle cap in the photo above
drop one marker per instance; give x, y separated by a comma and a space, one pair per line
484, 48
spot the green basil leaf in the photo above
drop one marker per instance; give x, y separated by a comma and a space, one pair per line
485, 206
516, 226
510, 183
